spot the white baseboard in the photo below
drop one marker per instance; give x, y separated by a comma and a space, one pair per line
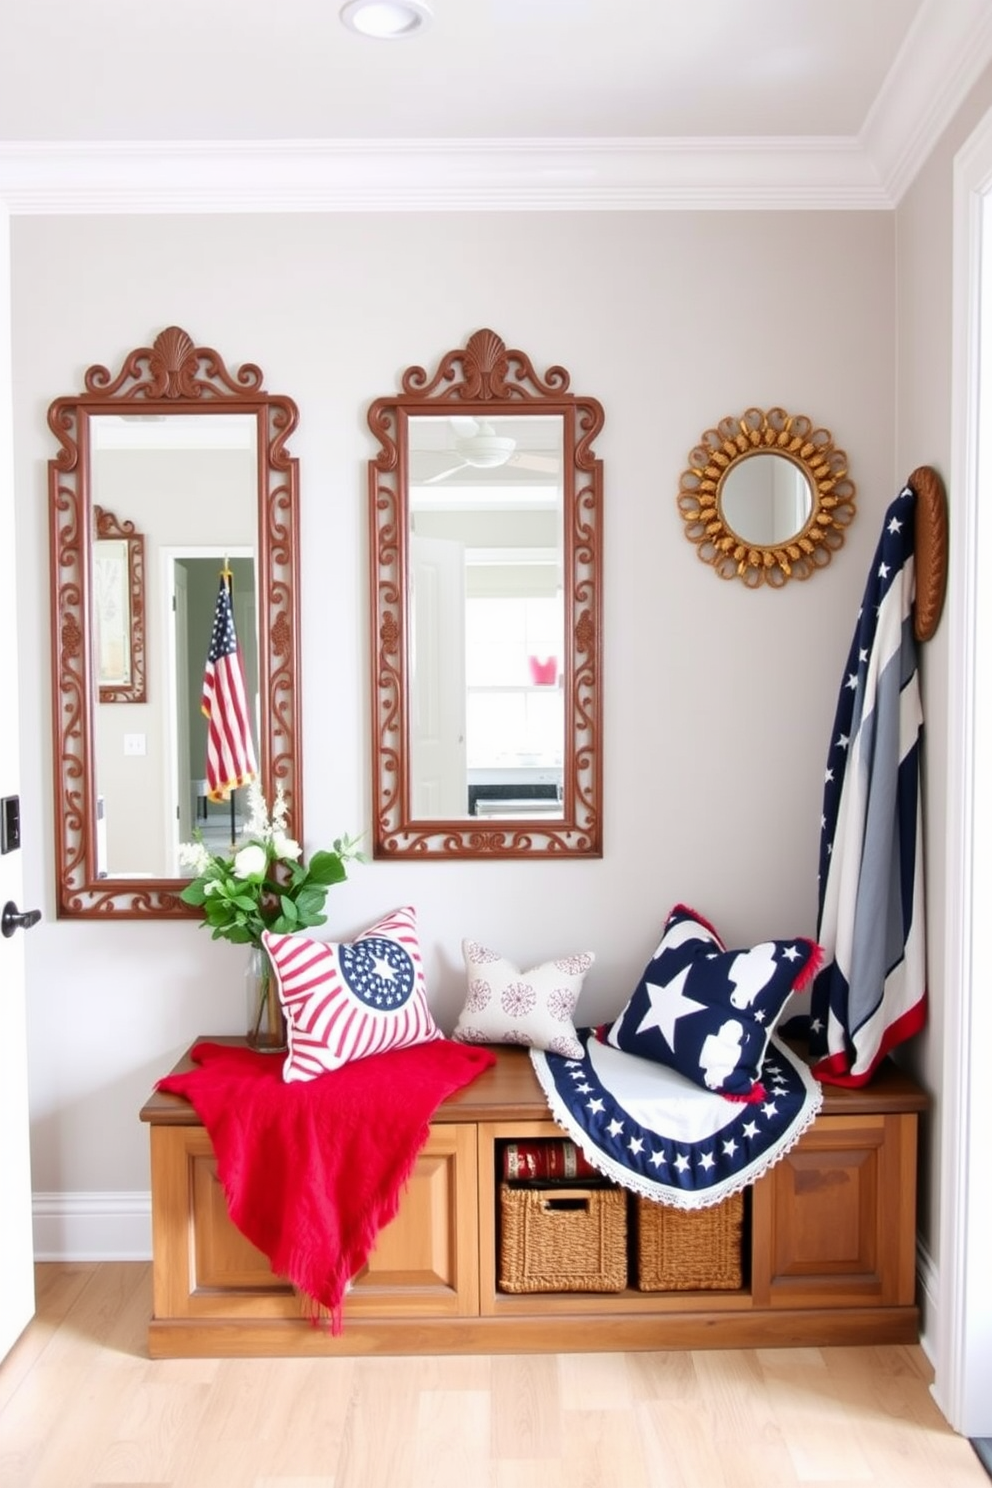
92, 1226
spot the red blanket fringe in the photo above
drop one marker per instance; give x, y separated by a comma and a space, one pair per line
312, 1171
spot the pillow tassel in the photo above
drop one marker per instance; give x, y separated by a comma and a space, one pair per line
754, 1096
809, 971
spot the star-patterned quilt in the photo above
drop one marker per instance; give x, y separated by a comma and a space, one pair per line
651, 1130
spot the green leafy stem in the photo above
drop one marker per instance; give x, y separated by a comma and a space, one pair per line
286, 897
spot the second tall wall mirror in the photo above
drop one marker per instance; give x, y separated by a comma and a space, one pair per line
486, 513
168, 472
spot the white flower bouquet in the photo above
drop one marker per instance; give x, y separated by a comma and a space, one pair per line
264, 883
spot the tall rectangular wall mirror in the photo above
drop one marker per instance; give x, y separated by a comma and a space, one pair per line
486, 515
189, 460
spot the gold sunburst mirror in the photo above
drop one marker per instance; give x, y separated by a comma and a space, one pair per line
766, 497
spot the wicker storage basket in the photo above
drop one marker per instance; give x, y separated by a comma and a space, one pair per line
683, 1250
563, 1239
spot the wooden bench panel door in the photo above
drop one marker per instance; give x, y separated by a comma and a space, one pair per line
834, 1222
426, 1262
204, 1267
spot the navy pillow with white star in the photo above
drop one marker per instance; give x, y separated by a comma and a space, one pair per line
708, 1012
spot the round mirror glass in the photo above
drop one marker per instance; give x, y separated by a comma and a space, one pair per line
765, 499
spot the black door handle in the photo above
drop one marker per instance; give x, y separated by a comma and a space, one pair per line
12, 919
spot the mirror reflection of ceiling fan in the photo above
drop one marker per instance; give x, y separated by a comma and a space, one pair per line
477, 446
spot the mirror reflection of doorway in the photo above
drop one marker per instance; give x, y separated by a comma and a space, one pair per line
193, 583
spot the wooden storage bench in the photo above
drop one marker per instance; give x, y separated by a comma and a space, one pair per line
829, 1245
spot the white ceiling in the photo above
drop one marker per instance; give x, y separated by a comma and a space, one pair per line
254, 69
842, 96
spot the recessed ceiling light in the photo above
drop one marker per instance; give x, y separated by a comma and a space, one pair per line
387, 20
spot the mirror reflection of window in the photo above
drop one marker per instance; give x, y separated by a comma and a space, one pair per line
513, 646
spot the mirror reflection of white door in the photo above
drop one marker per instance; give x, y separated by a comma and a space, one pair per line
16, 1245
438, 775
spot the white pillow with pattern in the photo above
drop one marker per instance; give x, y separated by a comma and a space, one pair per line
535, 1008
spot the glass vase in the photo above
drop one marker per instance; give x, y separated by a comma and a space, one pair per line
266, 1019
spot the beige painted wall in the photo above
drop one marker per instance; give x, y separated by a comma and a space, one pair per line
718, 701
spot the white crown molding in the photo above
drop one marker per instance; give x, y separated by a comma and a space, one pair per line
438, 175
945, 51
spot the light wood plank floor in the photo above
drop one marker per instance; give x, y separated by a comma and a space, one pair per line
82, 1406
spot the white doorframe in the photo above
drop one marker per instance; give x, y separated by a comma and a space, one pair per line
963, 1363
16, 1241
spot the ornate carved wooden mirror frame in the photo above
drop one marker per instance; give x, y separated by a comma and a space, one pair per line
173, 376
483, 381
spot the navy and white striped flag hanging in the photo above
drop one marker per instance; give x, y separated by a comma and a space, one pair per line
230, 752
870, 994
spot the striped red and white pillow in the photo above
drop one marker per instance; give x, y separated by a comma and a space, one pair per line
347, 1001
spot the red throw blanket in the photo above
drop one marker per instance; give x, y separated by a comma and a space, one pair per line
312, 1171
